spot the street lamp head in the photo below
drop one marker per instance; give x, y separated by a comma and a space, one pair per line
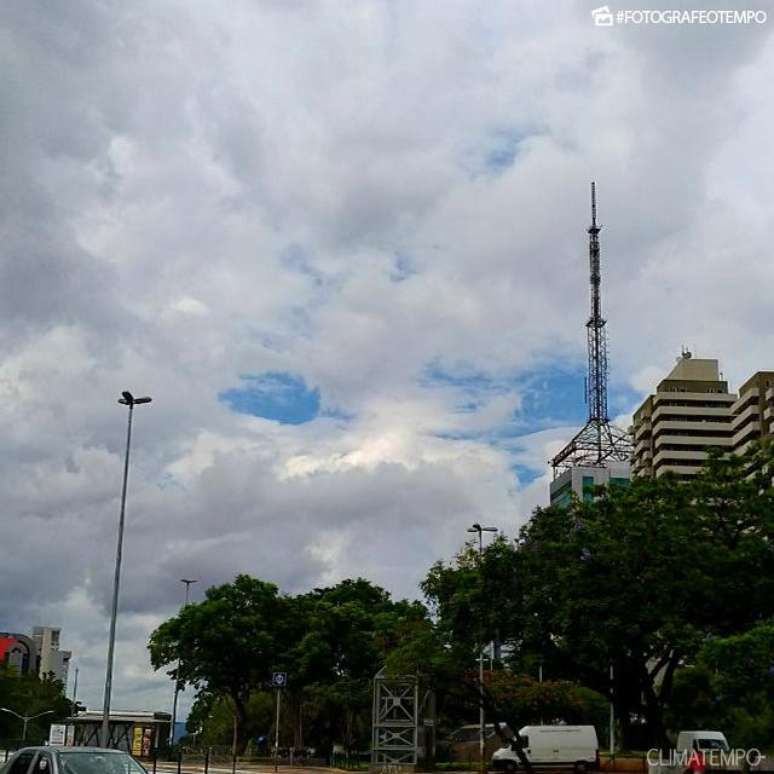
475, 528
189, 580
127, 399
489, 529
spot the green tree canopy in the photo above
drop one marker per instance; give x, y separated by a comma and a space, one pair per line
228, 644
29, 695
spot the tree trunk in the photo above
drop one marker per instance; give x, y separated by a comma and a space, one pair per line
296, 713
240, 724
654, 711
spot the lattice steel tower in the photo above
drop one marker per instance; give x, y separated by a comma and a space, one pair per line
599, 440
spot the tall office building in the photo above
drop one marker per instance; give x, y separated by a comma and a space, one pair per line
753, 412
51, 660
690, 412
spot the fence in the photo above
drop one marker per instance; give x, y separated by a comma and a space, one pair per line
220, 760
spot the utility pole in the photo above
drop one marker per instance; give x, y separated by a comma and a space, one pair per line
481, 714
188, 582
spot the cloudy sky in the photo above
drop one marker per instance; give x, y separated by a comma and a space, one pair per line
342, 244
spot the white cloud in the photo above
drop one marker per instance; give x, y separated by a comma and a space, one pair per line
192, 195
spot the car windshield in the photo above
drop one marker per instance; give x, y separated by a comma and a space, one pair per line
94, 762
712, 744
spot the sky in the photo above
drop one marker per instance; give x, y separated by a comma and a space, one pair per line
341, 243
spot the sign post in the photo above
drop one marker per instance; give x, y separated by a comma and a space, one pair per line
279, 680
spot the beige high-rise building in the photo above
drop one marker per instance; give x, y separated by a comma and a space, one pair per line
690, 412
753, 412
51, 660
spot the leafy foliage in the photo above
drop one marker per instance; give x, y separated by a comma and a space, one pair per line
330, 642
668, 581
30, 695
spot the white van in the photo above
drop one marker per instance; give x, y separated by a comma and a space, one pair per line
688, 741
553, 746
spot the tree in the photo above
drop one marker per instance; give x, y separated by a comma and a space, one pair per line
551, 701
640, 577
475, 599
227, 644
336, 652
212, 717
330, 641
643, 575
30, 695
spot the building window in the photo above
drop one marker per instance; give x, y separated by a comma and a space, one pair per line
588, 488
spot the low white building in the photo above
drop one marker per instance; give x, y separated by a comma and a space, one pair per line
581, 480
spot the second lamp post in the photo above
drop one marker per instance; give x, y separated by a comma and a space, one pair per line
481, 714
188, 582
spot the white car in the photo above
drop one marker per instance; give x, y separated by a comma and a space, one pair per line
71, 760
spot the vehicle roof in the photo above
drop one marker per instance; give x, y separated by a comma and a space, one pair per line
554, 729
706, 734
558, 727
50, 748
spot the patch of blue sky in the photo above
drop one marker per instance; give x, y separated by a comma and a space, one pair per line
498, 150
550, 396
463, 377
297, 258
503, 154
403, 267
622, 400
280, 396
525, 474
337, 413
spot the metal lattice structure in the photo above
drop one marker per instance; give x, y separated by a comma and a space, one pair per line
599, 440
395, 739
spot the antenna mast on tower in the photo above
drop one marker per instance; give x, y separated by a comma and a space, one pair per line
599, 440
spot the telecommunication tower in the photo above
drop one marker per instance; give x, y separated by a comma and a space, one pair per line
599, 440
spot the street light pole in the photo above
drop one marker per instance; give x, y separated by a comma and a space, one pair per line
612, 711
75, 692
481, 714
188, 582
129, 400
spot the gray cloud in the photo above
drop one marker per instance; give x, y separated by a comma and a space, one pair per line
194, 194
